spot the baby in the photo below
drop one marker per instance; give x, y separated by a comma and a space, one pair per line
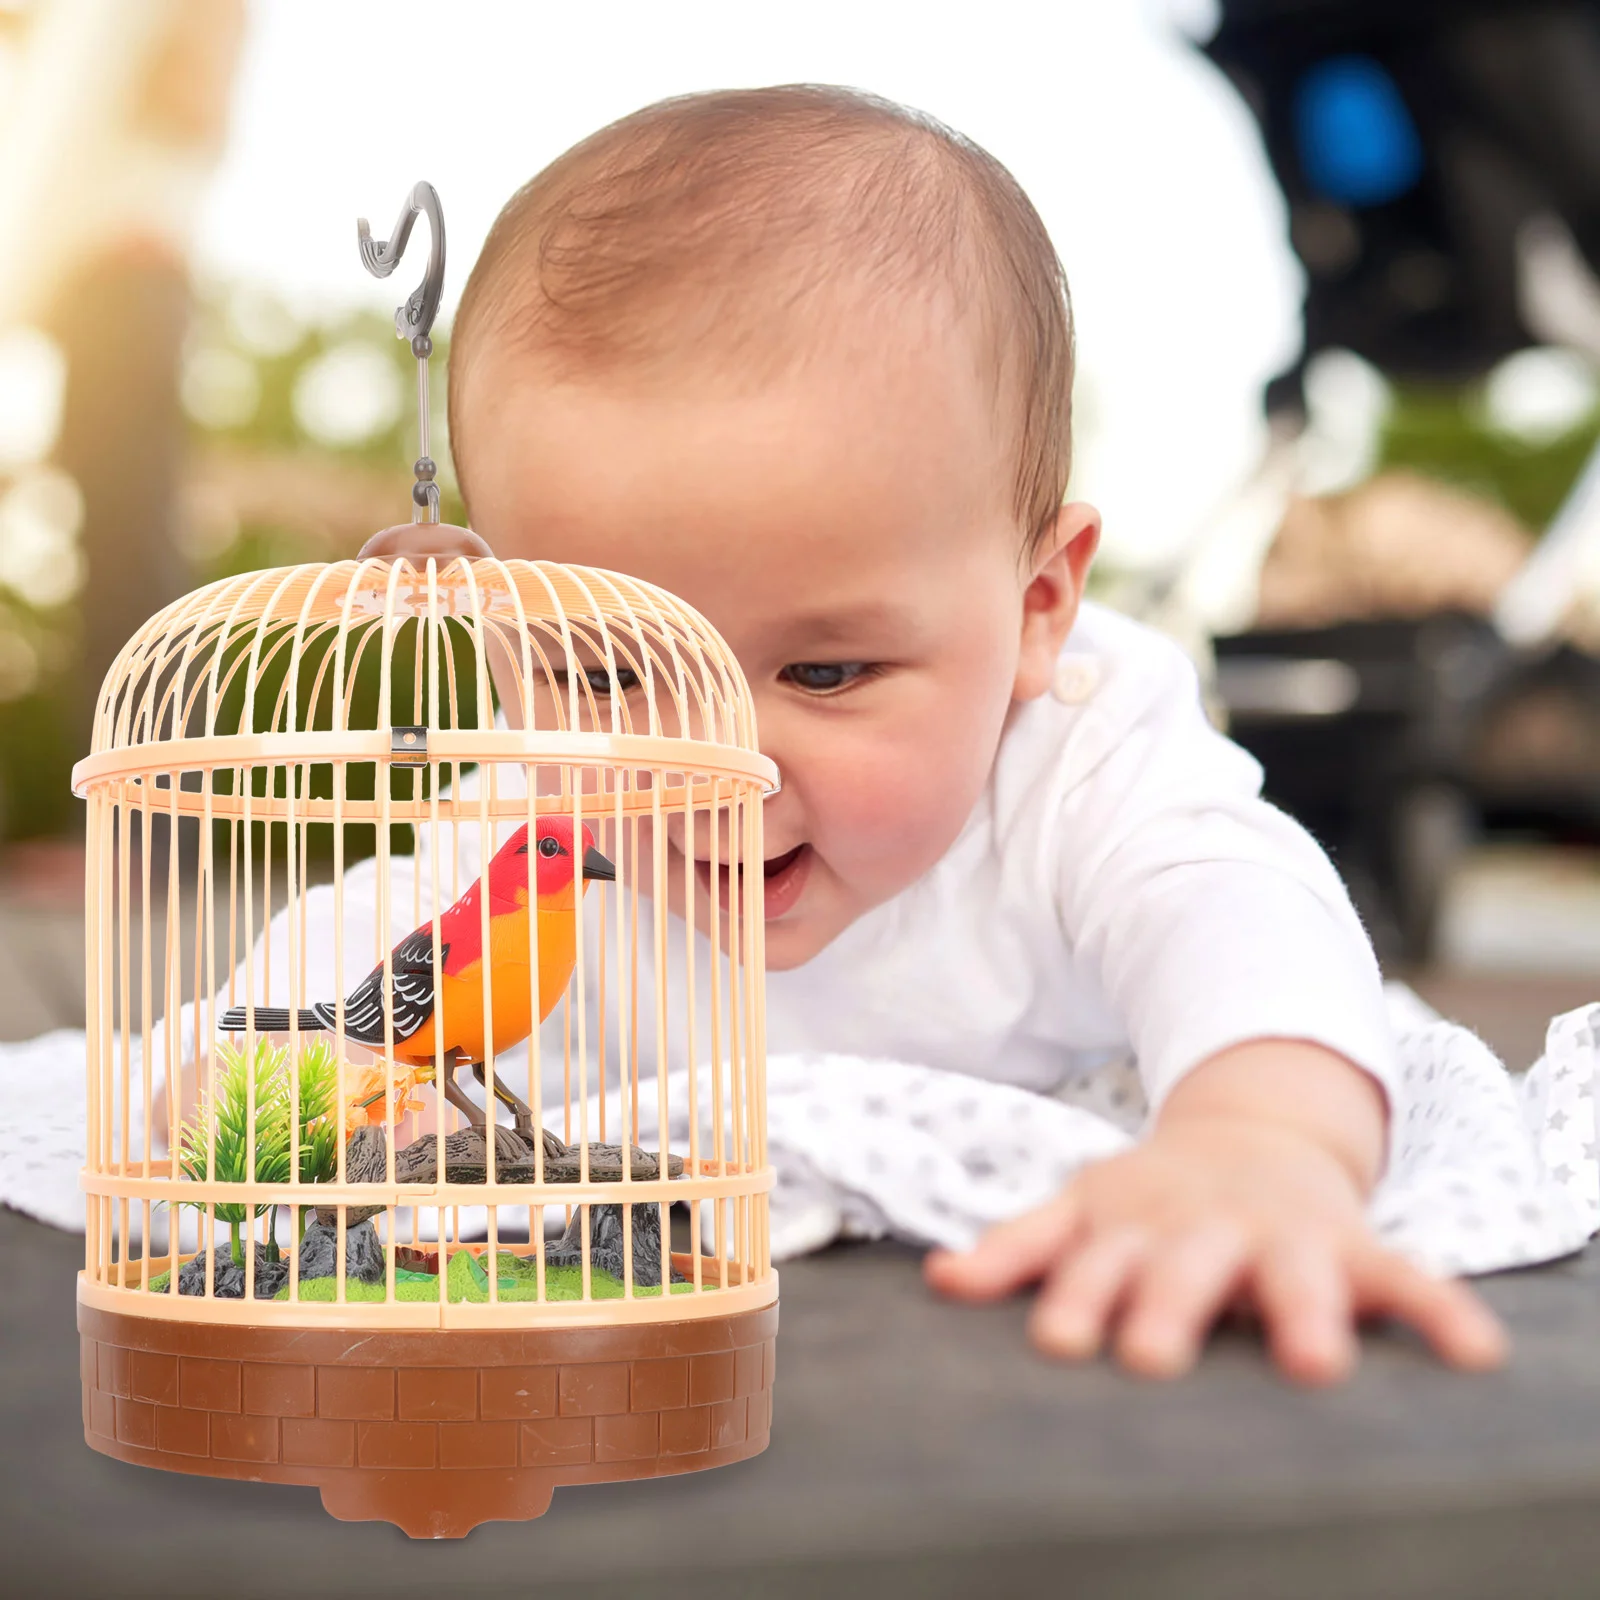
804, 358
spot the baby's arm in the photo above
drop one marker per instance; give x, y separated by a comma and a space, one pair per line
1223, 937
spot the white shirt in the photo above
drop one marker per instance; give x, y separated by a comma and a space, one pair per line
1120, 887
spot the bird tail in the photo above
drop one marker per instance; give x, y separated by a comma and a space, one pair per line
270, 1019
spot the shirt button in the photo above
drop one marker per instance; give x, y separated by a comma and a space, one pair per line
1076, 679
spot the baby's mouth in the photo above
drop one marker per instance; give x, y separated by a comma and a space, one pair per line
782, 879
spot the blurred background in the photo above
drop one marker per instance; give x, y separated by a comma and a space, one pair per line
1334, 265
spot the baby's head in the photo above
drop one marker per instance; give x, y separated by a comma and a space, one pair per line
804, 359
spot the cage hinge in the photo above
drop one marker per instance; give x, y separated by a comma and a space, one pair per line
408, 747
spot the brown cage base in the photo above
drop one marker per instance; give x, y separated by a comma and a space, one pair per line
433, 1430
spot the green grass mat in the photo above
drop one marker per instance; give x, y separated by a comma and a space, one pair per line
518, 1281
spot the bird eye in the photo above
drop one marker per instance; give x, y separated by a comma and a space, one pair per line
549, 847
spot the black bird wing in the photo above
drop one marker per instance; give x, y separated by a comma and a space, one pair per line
412, 962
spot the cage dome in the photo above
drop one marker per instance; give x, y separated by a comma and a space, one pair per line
417, 911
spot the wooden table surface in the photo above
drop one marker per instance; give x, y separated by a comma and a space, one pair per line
918, 1450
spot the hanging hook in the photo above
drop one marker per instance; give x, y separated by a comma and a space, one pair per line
413, 320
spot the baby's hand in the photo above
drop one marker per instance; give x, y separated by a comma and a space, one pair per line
1213, 1209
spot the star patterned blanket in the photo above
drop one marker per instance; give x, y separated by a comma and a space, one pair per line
1487, 1169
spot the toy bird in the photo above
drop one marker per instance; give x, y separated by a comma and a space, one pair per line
417, 989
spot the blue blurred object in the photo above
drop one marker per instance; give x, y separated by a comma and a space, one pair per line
1358, 144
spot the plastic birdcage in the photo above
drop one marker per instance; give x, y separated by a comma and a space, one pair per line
292, 771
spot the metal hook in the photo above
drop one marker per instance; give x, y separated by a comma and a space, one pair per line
413, 320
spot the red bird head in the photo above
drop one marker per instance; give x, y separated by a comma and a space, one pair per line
508, 872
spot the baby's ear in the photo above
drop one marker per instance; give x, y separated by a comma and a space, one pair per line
1059, 564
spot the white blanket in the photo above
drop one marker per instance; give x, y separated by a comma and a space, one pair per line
1486, 1170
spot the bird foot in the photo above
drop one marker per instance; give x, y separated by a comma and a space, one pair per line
462, 1101
521, 1112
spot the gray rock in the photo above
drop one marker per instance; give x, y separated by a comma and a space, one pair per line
605, 1243
466, 1160
605, 1165
229, 1281
363, 1252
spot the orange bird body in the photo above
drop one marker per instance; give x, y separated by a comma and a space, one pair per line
437, 1017
458, 992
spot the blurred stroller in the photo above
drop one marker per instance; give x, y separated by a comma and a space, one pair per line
1441, 164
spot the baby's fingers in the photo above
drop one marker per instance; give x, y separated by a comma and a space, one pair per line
1075, 1306
1008, 1256
1464, 1331
1183, 1289
1303, 1294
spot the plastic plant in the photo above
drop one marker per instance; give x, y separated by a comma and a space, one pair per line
225, 1154
318, 1137
319, 1140
319, 1085
364, 1104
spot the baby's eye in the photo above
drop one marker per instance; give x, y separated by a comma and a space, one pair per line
825, 677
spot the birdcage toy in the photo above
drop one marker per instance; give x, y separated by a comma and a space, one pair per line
426, 1126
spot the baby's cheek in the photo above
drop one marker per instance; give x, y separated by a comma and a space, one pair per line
884, 809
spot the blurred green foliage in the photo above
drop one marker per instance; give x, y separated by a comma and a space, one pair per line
273, 429
1443, 434
38, 747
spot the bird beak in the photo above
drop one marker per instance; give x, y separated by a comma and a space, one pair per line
595, 865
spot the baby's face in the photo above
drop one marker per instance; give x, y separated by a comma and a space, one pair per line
848, 529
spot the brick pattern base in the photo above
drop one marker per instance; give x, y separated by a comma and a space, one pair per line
435, 1431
